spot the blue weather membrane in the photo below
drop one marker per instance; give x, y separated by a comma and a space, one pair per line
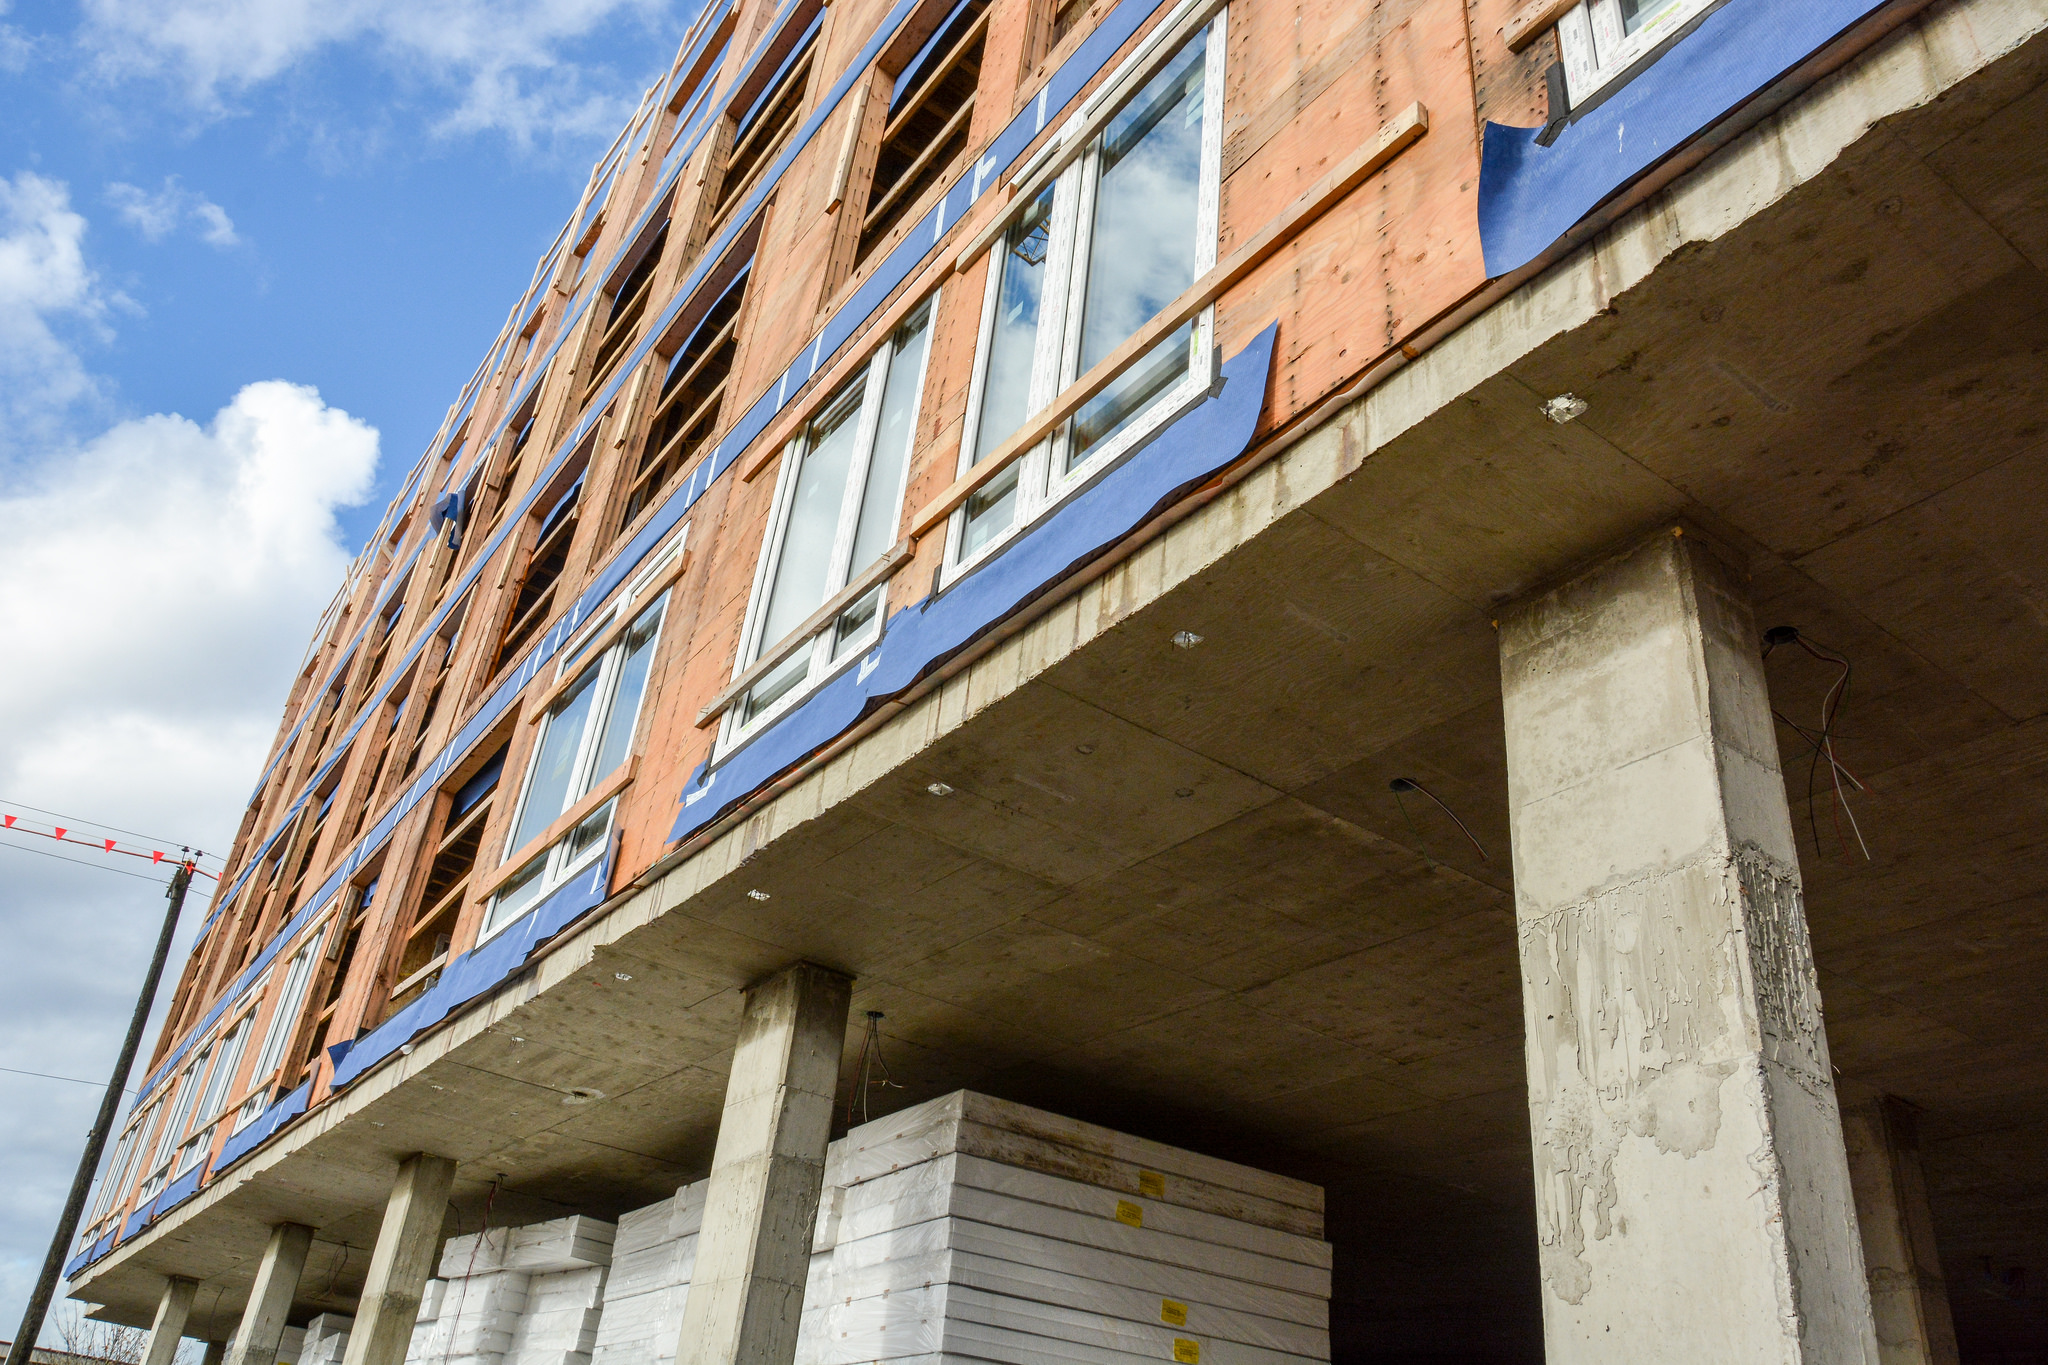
272, 1119
479, 970
925, 634
1529, 196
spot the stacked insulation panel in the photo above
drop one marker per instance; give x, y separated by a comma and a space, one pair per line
969, 1228
516, 1296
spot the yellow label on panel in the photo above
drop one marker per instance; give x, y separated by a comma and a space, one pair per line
1151, 1184
1127, 1212
1173, 1314
1187, 1352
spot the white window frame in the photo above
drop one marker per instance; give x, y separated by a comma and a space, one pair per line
284, 1015
559, 864
168, 1143
829, 655
1599, 57
1043, 482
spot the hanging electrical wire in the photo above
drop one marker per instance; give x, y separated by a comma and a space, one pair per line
870, 1059
45, 853
1409, 784
1822, 740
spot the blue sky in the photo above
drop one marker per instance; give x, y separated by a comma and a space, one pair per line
249, 252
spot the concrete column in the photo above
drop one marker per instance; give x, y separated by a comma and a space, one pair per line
407, 1242
1692, 1196
754, 1253
169, 1328
270, 1298
216, 1353
1908, 1296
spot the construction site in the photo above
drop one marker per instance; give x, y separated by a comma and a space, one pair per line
1218, 681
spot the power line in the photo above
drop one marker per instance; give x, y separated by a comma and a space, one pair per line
81, 820
119, 872
73, 1079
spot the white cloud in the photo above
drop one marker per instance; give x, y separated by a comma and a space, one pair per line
157, 215
155, 596
506, 62
45, 284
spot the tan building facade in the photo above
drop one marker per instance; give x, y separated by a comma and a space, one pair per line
1439, 599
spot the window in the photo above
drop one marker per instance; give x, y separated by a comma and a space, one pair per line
838, 503
585, 735
692, 396
926, 130
116, 1184
284, 1018
1123, 231
436, 663
184, 1097
424, 950
760, 132
533, 603
628, 306
1606, 42
1065, 14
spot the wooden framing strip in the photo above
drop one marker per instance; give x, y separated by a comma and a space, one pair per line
1103, 106
1393, 138
1533, 20
856, 588
621, 777
842, 169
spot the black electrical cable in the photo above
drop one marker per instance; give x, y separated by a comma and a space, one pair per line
119, 872
1823, 741
81, 820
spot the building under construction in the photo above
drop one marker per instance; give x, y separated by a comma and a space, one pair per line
1415, 629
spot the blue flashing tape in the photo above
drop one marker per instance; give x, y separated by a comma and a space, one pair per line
479, 970
266, 1124
1529, 196
924, 635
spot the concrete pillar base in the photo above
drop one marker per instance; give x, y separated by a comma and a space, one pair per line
270, 1298
1908, 1296
407, 1241
168, 1330
753, 1256
1692, 1194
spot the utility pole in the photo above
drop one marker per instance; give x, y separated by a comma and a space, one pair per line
96, 1140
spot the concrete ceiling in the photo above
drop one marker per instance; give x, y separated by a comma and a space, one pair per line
1172, 891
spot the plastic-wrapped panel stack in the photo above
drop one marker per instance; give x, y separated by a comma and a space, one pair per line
650, 1276
974, 1228
516, 1296
969, 1228
326, 1340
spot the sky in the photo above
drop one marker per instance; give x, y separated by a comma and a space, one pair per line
250, 250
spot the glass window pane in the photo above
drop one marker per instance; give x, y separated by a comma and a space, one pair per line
806, 562
881, 501
515, 897
554, 766
625, 710
990, 509
776, 685
1006, 382
854, 621
589, 831
1636, 13
1141, 252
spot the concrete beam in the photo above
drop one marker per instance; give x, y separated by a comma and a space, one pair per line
1908, 1296
753, 1255
407, 1243
1692, 1193
270, 1298
169, 1327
